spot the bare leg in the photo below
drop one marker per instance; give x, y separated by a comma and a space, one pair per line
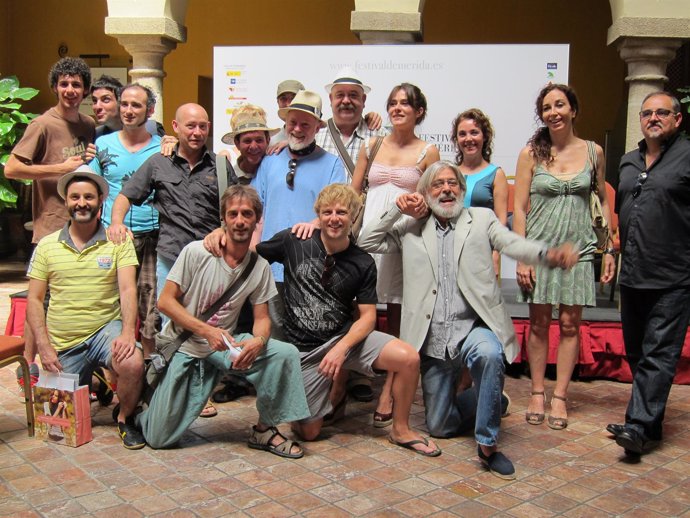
402, 360
538, 351
385, 404
568, 352
130, 376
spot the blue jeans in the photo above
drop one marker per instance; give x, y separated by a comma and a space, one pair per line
163, 266
93, 352
449, 414
654, 325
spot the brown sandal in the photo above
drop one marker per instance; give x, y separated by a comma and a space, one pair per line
535, 418
557, 423
262, 441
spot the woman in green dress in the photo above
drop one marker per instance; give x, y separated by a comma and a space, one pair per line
552, 190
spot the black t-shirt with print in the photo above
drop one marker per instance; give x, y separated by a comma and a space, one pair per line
318, 306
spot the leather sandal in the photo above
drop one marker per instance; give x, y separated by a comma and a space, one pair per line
262, 441
557, 423
535, 418
209, 410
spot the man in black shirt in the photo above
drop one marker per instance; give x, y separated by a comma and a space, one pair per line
653, 202
323, 275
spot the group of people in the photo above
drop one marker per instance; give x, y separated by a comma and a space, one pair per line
165, 225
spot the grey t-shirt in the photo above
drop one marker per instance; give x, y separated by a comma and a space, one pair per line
203, 278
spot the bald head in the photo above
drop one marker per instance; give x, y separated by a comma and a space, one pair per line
191, 125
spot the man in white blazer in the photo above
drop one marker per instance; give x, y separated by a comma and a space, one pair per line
452, 308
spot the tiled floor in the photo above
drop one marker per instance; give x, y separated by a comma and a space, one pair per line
352, 470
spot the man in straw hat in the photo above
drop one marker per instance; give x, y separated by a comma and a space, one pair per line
289, 182
348, 94
250, 136
93, 306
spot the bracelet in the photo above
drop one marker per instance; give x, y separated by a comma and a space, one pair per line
263, 340
610, 251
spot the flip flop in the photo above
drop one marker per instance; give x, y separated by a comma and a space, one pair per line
209, 410
410, 446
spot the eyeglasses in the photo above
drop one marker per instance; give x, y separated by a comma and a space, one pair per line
641, 179
328, 265
290, 176
438, 184
661, 113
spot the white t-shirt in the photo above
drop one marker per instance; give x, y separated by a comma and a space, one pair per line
203, 278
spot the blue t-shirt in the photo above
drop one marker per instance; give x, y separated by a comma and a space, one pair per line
117, 165
284, 207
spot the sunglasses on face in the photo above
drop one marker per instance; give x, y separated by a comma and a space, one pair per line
661, 113
290, 176
641, 179
328, 264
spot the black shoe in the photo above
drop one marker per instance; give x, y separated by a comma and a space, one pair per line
132, 438
634, 442
498, 464
615, 429
104, 394
505, 404
361, 393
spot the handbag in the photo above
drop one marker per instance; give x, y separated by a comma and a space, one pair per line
167, 347
599, 223
359, 218
62, 409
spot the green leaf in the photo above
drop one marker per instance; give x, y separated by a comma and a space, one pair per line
10, 106
20, 117
6, 127
24, 93
7, 84
7, 193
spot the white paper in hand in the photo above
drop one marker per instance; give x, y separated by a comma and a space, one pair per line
233, 352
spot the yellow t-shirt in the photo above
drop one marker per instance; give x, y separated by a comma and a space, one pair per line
84, 294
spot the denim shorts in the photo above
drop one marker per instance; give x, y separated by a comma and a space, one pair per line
93, 352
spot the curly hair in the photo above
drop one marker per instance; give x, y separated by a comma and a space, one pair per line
414, 96
70, 67
540, 142
484, 124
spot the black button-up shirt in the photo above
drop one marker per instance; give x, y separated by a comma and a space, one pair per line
655, 225
186, 198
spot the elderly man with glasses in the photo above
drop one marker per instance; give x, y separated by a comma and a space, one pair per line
653, 203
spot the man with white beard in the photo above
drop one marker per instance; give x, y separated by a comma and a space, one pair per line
452, 309
289, 182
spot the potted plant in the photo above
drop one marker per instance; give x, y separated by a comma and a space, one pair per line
13, 122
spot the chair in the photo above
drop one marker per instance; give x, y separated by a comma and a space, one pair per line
12, 351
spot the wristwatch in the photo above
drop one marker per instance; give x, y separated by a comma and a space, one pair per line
610, 251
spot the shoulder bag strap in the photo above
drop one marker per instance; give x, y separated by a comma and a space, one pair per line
592, 152
344, 155
232, 289
222, 175
370, 160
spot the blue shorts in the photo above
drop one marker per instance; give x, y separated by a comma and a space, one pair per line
93, 352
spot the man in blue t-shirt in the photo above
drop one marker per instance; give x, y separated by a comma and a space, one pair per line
118, 156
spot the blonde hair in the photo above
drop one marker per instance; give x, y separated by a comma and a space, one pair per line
338, 193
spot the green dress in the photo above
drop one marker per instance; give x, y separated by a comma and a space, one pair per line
559, 212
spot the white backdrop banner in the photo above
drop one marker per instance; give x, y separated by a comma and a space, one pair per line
501, 80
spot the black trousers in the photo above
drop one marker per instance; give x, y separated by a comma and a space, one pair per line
654, 327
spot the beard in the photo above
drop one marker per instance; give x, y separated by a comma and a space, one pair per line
297, 145
445, 212
82, 215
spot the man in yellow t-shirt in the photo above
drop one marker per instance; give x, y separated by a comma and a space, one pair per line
93, 307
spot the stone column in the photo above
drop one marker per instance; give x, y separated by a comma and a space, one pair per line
387, 21
148, 31
647, 59
647, 35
